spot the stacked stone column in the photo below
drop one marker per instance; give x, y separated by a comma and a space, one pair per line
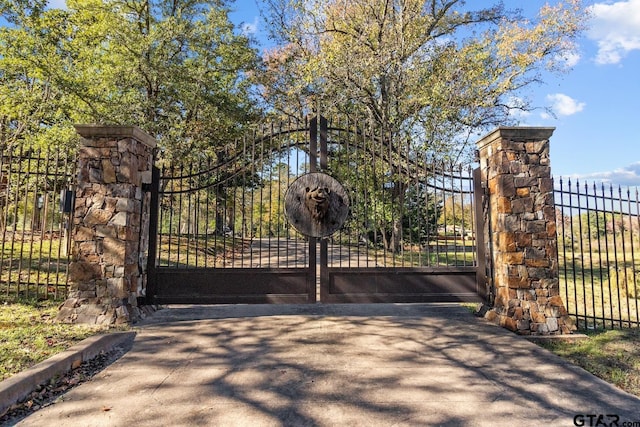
109, 233
521, 232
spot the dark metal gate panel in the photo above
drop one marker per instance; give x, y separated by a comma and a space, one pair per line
410, 236
220, 233
222, 286
401, 285
222, 237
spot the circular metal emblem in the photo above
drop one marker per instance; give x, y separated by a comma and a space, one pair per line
316, 205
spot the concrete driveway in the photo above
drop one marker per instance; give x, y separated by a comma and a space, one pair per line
335, 365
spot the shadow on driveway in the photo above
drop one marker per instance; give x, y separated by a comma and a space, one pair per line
317, 365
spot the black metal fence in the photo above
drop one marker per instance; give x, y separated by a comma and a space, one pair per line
598, 229
35, 201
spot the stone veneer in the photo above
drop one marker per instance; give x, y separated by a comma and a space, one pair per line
110, 226
520, 232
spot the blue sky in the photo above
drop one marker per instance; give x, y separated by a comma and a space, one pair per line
596, 105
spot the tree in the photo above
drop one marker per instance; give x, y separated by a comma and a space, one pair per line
456, 215
429, 74
32, 108
176, 68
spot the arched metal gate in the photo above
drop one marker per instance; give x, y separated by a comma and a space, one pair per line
219, 232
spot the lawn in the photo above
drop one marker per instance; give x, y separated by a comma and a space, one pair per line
601, 288
32, 267
613, 356
29, 335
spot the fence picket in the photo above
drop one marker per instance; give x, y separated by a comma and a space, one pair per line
598, 239
34, 257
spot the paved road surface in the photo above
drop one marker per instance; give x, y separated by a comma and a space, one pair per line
334, 365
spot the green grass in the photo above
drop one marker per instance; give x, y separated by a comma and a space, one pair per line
594, 289
613, 356
32, 268
29, 335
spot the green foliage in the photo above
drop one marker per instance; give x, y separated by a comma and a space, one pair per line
456, 214
178, 69
422, 211
32, 108
427, 75
433, 73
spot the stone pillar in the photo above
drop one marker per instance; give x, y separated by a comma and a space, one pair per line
520, 233
109, 234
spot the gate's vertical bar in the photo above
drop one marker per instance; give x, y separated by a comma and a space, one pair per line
25, 205
40, 208
581, 254
162, 219
188, 223
296, 150
343, 136
196, 220
564, 245
180, 221
313, 167
481, 267
632, 279
636, 274
54, 191
440, 197
243, 219
574, 275
19, 174
207, 203
152, 256
279, 225
323, 143
454, 214
287, 229
599, 246
324, 248
269, 203
463, 208
252, 173
589, 246
625, 276
615, 254
32, 220
70, 166
261, 195
5, 178
382, 199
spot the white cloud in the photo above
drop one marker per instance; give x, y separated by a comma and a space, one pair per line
616, 29
563, 105
628, 176
570, 59
250, 28
57, 4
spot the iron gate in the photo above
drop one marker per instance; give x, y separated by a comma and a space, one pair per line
219, 232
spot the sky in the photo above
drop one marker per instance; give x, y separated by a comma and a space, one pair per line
596, 105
